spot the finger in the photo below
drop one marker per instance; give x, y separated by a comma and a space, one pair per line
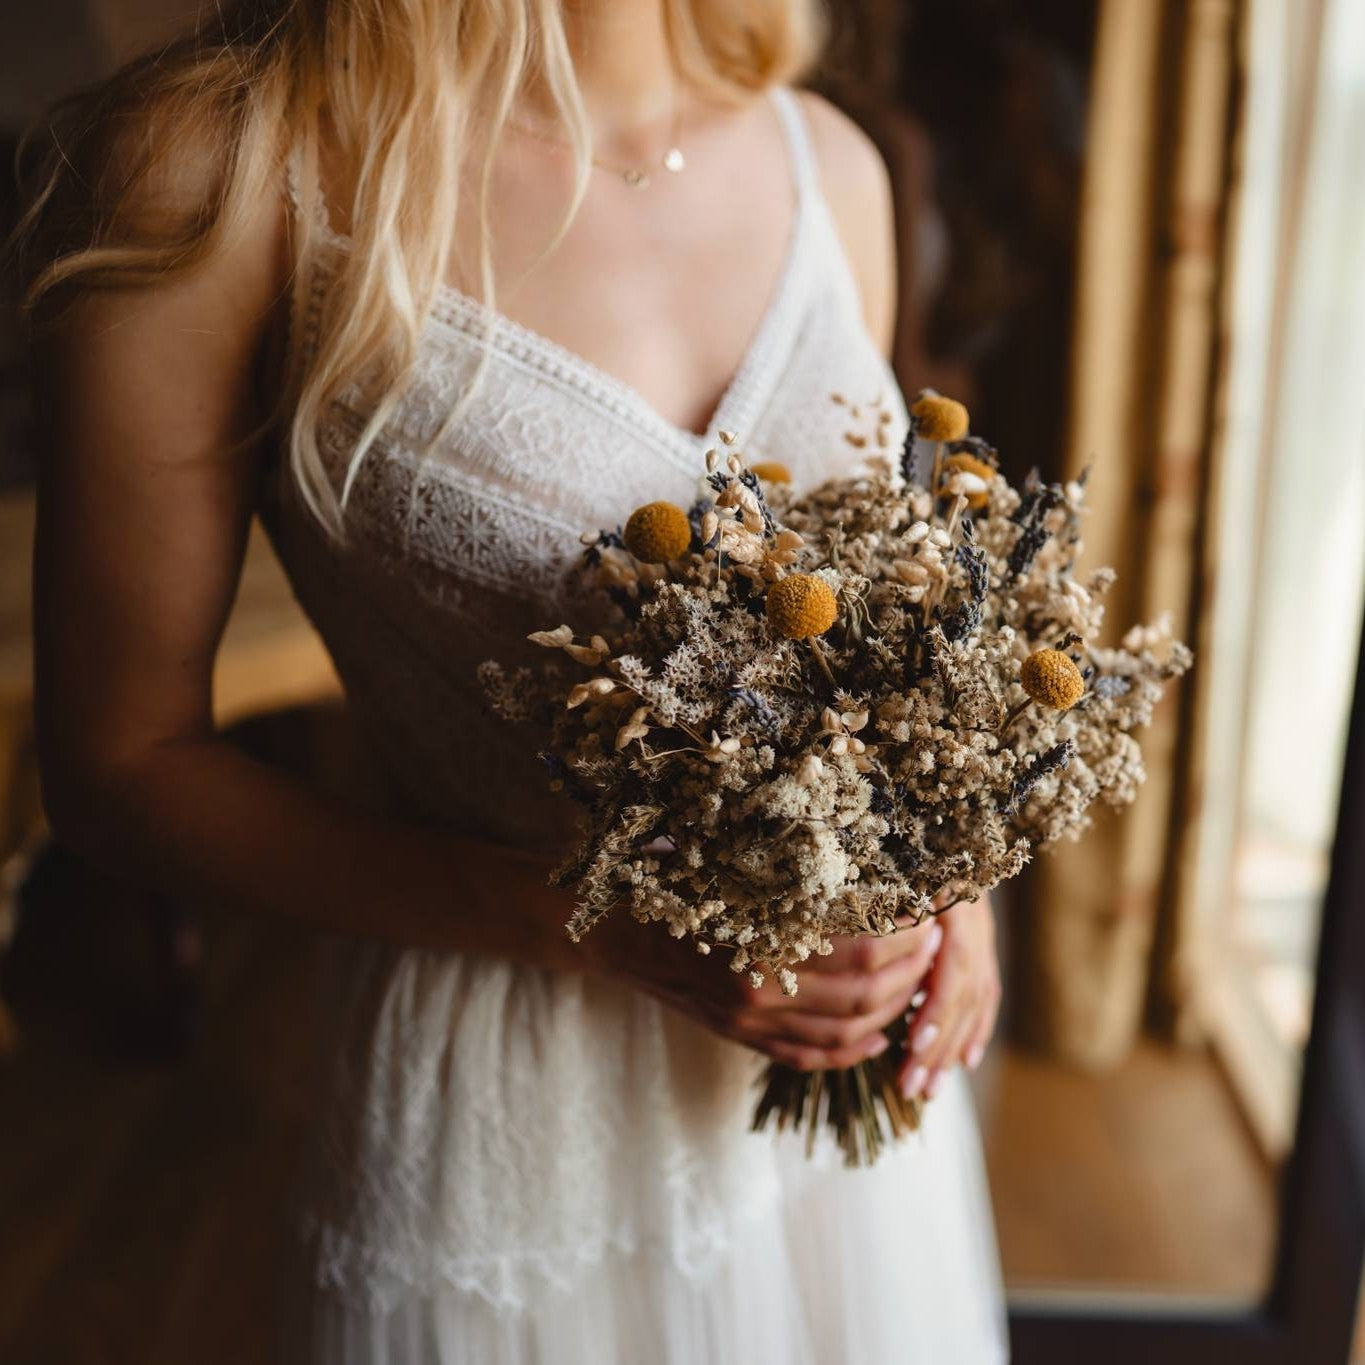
984, 1029
867, 952
832, 1031
953, 1046
805, 1058
849, 993
733, 1006
935, 1017
917, 1067
871, 952
953, 1023
875, 950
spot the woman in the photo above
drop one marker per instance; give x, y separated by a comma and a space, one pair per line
263, 268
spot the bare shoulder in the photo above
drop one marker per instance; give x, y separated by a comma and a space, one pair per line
857, 187
149, 179
852, 171
157, 356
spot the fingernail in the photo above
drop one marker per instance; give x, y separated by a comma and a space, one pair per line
878, 1045
915, 1082
932, 1088
935, 938
924, 1037
918, 999
974, 1056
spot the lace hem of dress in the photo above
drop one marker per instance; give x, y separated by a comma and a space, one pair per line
511, 1281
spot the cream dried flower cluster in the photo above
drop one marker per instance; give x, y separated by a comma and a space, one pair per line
812, 712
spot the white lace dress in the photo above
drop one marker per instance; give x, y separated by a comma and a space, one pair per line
512, 1165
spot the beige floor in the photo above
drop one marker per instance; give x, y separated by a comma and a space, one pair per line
1144, 1179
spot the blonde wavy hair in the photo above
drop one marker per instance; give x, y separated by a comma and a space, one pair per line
407, 91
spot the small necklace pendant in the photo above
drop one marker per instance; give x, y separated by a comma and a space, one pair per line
674, 160
636, 179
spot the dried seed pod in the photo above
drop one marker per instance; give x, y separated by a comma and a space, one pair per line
1052, 678
582, 654
657, 532
938, 418
771, 471
587, 691
635, 728
965, 474
554, 639
720, 750
801, 605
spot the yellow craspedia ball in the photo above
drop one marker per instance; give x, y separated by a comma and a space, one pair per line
801, 605
1051, 677
771, 471
969, 464
657, 532
938, 418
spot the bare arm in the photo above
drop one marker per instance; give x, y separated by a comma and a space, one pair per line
143, 511
145, 498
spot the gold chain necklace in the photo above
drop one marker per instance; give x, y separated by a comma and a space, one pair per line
637, 177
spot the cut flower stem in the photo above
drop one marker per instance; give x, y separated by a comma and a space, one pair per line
860, 1106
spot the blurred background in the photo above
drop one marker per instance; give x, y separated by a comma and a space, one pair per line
1130, 238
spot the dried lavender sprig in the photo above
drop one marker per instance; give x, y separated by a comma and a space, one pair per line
907, 460
1039, 499
1049, 762
750, 481
1028, 497
606, 540
764, 716
1110, 685
966, 616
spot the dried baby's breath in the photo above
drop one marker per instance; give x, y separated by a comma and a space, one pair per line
797, 791
950, 714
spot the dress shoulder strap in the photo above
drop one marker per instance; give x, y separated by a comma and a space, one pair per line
799, 149
827, 247
294, 181
299, 177
308, 211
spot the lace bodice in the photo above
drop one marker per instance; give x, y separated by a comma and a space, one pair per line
488, 1126
456, 557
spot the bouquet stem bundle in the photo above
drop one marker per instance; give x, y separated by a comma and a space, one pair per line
850, 1103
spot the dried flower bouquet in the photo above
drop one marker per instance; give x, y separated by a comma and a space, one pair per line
809, 714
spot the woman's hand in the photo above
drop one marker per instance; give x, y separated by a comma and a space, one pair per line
836, 1019
958, 1015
